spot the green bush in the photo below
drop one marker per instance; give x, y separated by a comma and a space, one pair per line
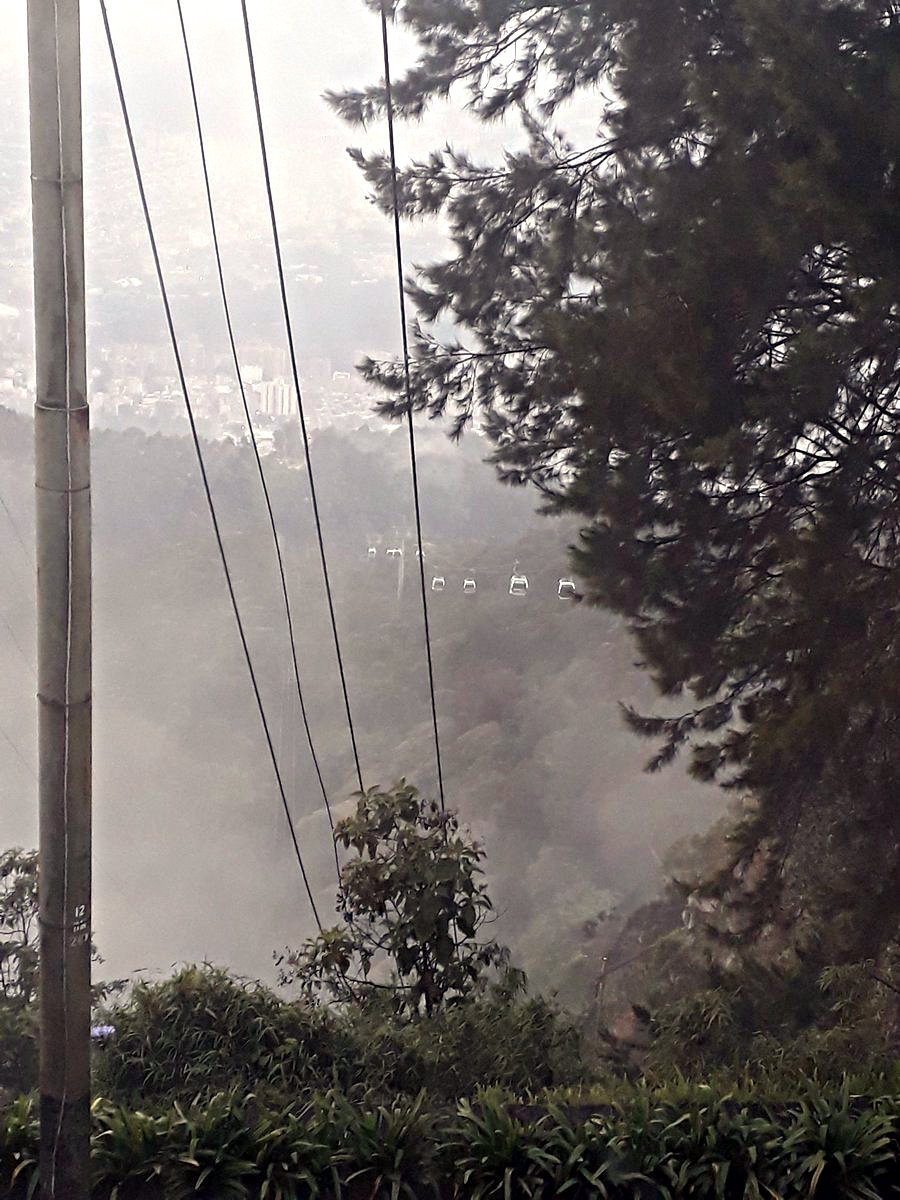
494, 1154
18, 1149
520, 1045
295, 1154
824, 1023
18, 1047
827, 1144
832, 1150
214, 1152
386, 1152
128, 1151
204, 1032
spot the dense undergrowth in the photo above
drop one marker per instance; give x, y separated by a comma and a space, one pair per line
220, 1090
645, 1146
204, 1031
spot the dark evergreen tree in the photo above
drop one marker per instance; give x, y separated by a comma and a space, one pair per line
688, 332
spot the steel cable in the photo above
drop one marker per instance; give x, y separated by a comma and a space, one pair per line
262, 477
201, 463
398, 247
276, 240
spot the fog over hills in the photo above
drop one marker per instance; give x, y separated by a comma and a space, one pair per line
192, 855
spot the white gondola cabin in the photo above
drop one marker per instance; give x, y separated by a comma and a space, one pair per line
469, 586
566, 589
518, 585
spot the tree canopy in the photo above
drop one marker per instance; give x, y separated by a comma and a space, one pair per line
411, 904
687, 331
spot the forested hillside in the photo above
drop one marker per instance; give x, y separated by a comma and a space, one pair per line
189, 834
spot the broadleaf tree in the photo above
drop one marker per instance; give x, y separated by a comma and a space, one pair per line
18, 968
412, 908
686, 330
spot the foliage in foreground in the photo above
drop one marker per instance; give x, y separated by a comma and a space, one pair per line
204, 1031
411, 904
828, 1144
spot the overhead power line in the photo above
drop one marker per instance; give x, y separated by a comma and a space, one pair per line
200, 460
276, 240
259, 466
398, 246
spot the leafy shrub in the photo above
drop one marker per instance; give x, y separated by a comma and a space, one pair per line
386, 1152
204, 1031
583, 1161
411, 901
826, 1024
710, 1150
18, 969
128, 1152
833, 1151
19, 1149
18, 1047
295, 1155
519, 1045
830, 1144
493, 1154
212, 1155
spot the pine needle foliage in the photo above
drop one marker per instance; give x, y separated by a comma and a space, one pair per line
685, 330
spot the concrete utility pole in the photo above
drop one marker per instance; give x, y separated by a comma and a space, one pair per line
62, 482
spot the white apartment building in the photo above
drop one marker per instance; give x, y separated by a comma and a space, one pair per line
275, 397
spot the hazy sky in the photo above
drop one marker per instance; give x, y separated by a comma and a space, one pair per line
302, 48
300, 52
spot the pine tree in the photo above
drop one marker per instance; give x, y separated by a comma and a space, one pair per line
688, 333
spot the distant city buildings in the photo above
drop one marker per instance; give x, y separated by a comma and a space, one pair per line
132, 377
275, 398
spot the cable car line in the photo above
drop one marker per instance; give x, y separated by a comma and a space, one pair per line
200, 460
517, 579
398, 246
259, 466
276, 240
